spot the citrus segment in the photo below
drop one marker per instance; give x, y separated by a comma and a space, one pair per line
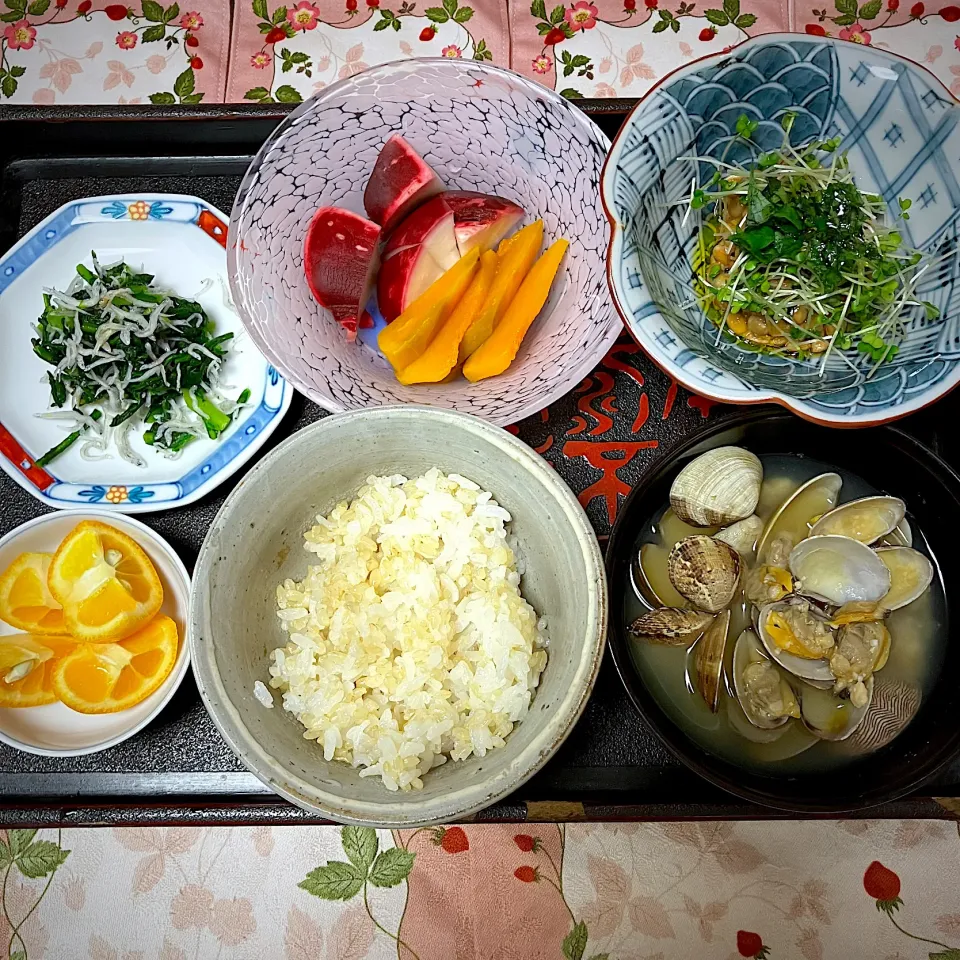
109, 677
107, 585
26, 669
25, 599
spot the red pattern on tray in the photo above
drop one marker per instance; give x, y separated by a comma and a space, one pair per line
610, 428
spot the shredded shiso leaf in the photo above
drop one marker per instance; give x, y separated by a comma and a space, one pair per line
125, 355
795, 259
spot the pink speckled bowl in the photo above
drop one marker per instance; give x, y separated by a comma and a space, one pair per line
481, 128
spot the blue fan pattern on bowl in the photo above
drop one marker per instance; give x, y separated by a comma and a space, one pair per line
900, 127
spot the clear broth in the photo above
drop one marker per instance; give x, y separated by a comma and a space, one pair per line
917, 632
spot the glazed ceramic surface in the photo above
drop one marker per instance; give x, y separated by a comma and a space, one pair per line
256, 541
900, 126
481, 128
181, 241
55, 730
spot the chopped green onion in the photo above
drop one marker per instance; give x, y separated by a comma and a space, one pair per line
86, 274
67, 442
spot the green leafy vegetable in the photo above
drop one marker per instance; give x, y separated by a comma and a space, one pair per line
794, 258
125, 352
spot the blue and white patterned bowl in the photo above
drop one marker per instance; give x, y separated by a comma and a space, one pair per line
182, 241
481, 128
900, 126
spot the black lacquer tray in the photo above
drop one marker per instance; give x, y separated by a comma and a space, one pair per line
600, 438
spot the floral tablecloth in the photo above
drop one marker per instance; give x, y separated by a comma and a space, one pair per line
884, 890
92, 51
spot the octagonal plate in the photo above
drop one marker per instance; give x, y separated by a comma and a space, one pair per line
182, 241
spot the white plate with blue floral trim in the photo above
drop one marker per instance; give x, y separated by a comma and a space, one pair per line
182, 241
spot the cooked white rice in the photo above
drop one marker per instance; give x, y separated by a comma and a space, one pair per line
409, 641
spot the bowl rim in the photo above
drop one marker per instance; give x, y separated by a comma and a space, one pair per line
693, 756
614, 254
572, 373
182, 663
409, 812
215, 476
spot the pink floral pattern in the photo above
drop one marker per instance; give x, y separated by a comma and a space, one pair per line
20, 35
53, 52
61, 72
855, 33
763, 890
304, 16
589, 42
285, 53
582, 16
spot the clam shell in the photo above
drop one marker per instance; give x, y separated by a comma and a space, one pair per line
894, 705
811, 499
706, 571
910, 575
832, 717
866, 520
781, 743
902, 536
641, 582
708, 660
650, 579
813, 670
670, 625
747, 652
838, 570
858, 612
742, 535
717, 488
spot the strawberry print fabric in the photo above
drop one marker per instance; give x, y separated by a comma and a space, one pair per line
617, 891
621, 48
287, 53
90, 51
86, 52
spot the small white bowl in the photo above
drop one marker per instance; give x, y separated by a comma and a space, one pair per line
55, 730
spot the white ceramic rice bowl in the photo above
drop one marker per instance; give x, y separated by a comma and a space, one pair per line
256, 540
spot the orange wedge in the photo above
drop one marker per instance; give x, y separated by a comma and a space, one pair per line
26, 668
25, 599
109, 677
104, 581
